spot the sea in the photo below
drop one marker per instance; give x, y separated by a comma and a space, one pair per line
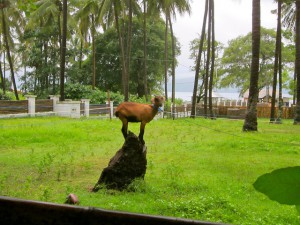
187, 96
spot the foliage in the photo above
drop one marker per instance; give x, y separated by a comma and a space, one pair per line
194, 48
236, 60
108, 65
281, 185
197, 169
78, 91
7, 96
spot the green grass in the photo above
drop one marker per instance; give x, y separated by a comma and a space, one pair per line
197, 169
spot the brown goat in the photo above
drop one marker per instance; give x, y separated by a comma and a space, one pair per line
137, 112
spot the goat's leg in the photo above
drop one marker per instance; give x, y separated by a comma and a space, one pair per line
124, 128
142, 131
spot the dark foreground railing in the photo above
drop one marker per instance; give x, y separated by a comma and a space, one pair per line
17, 211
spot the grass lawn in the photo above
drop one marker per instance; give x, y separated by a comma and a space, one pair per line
198, 169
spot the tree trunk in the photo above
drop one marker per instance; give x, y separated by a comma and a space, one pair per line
4, 81
280, 100
123, 58
63, 50
145, 52
297, 66
207, 61
4, 28
94, 53
250, 123
173, 65
128, 51
212, 18
166, 58
278, 44
197, 69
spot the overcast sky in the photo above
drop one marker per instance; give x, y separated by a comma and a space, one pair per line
232, 18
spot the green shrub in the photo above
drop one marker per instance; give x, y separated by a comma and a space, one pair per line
7, 96
78, 91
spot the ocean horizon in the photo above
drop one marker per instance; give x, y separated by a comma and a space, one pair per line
187, 96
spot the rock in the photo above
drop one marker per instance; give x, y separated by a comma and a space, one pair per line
128, 164
72, 199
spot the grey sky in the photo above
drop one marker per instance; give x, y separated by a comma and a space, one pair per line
232, 18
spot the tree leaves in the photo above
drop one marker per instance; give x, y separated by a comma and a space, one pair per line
282, 185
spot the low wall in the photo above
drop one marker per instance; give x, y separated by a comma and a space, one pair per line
13, 107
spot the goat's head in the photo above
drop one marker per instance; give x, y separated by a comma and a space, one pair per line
158, 101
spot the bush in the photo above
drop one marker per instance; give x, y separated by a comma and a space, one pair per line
78, 91
7, 96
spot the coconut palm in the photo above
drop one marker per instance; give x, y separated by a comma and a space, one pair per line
210, 86
12, 23
197, 69
63, 50
145, 50
297, 61
121, 11
88, 17
250, 123
170, 8
277, 68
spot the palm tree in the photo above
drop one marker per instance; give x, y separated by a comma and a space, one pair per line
12, 23
63, 50
169, 8
145, 50
197, 69
277, 66
297, 62
250, 123
212, 57
88, 17
208, 55
121, 10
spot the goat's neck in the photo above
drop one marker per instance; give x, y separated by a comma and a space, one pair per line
155, 109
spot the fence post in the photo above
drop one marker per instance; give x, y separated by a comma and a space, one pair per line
55, 99
31, 104
86, 103
111, 108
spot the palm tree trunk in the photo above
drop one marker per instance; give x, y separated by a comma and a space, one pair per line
250, 123
280, 100
173, 65
207, 62
166, 59
145, 52
4, 28
80, 54
197, 70
122, 58
94, 53
278, 44
4, 81
212, 18
128, 51
63, 50
297, 66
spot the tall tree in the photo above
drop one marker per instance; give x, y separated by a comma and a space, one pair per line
277, 64
9, 12
197, 69
170, 8
63, 50
213, 55
145, 50
122, 11
208, 60
88, 17
250, 123
297, 62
